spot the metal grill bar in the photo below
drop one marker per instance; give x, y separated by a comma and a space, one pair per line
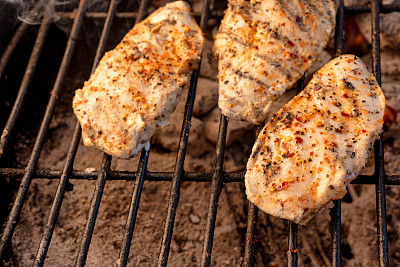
178, 172
339, 29
229, 177
384, 9
249, 248
335, 228
133, 209
23, 90
381, 206
137, 189
293, 254
26, 181
92, 215
218, 14
68, 166
378, 147
63, 186
215, 191
335, 212
252, 217
128, 15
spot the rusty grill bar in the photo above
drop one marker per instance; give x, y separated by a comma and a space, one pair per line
217, 177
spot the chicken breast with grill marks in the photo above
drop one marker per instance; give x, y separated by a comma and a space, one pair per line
136, 86
264, 47
317, 143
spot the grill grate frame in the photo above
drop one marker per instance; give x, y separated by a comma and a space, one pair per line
217, 177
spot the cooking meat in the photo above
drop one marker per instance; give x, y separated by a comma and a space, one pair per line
264, 47
317, 143
136, 86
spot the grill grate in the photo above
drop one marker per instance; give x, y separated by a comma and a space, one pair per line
217, 177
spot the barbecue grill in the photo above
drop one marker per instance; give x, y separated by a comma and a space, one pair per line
218, 177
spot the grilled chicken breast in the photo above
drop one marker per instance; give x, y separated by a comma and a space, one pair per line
317, 143
264, 47
136, 86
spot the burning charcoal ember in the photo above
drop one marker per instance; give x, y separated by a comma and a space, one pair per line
168, 137
390, 66
390, 115
194, 219
209, 64
197, 6
353, 40
237, 130
392, 94
390, 76
389, 28
206, 96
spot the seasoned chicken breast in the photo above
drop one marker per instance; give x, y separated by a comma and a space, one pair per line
136, 86
317, 143
264, 47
